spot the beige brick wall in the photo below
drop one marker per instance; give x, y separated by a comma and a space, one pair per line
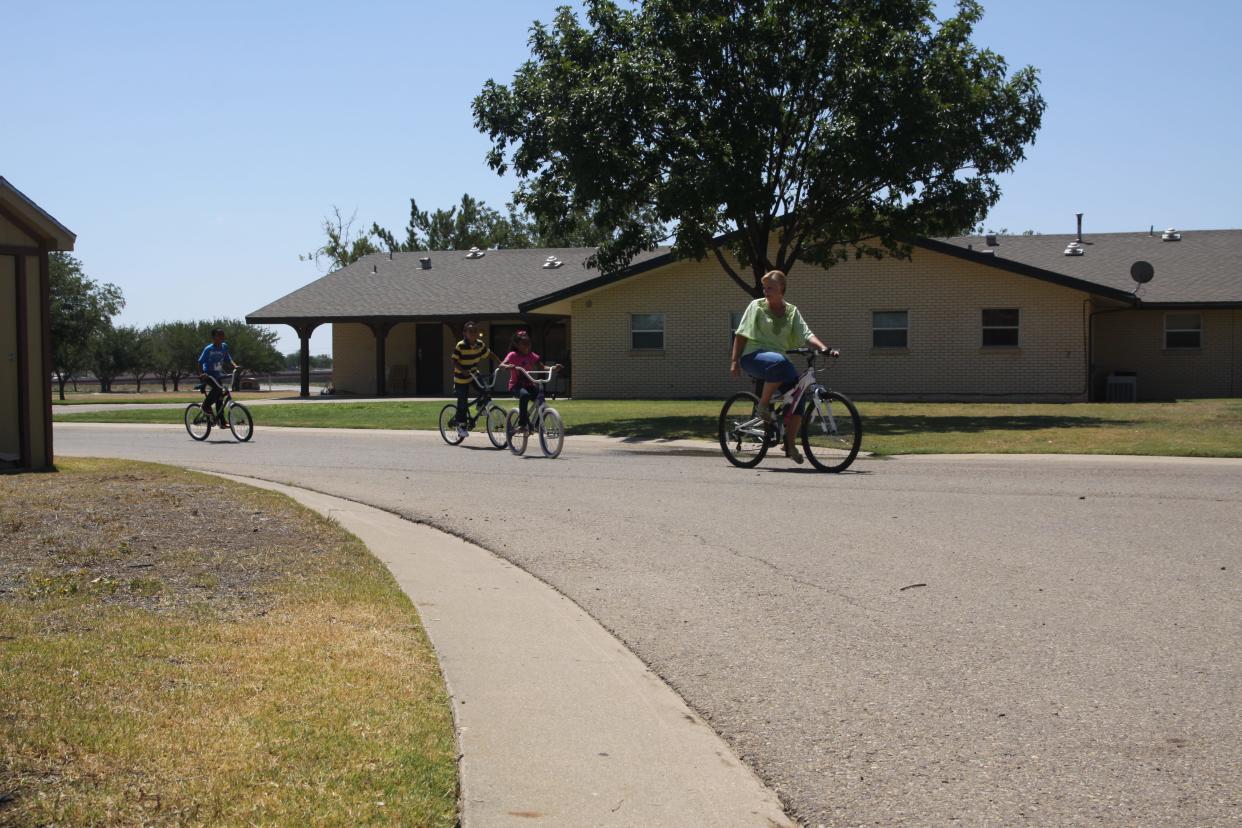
1133, 340
944, 297
353, 359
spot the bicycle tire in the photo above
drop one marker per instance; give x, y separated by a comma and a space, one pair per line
197, 422
448, 425
516, 440
497, 427
742, 436
835, 445
551, 433
240, 422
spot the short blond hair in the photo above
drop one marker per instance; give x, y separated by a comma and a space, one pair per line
776, 276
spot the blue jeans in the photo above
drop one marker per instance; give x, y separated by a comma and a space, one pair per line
524, 397
770, 366
463, 402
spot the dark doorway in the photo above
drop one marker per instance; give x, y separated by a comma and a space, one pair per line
502, 337
429, 367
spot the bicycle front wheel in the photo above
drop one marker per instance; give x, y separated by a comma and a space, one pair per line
517, 439
448, 425
831, 431
240, 422
551, 432
497, 427
743, 436
197, 421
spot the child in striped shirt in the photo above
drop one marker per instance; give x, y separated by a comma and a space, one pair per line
467, 354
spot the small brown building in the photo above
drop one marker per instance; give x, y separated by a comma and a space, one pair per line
27, 235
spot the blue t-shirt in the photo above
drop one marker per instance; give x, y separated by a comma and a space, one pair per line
211, 360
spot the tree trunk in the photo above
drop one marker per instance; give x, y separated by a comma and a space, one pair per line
61, 379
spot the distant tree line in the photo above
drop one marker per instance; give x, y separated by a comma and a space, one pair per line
293, 361
84, 338
469, 224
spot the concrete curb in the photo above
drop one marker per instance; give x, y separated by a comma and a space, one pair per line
558, 723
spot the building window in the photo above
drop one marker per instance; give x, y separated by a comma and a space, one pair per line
646, 331
890, 329
1000, 327
1183, 330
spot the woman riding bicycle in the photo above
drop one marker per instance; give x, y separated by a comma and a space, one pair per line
769, 327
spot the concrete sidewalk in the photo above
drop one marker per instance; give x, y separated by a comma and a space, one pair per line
558, 723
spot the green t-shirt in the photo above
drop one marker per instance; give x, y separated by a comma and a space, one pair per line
766, 332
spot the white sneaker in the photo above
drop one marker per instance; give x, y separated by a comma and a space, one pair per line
462, 431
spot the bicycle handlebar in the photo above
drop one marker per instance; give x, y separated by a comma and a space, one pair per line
813, 352
530, 374
478, 379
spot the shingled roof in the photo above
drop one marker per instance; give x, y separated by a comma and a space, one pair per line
378, 287
1204, 268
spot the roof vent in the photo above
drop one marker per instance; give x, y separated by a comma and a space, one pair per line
986, 252
551, 263
425, 263
991, 240
475, 253
1075, 249
374, 269
1170, 235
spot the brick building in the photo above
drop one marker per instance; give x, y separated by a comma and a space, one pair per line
1026, 318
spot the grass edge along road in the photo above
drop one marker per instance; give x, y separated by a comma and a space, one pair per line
129, 695
1190, 428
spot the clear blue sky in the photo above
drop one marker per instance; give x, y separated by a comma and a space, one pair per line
196, 147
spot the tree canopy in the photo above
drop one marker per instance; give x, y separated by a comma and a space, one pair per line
468, 224
845, 127
81, 308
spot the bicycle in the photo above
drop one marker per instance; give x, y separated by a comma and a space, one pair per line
830, 439
199, 421
482, 406
543, 418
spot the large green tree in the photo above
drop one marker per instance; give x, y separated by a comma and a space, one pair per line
80, 309
113, 353
846, 127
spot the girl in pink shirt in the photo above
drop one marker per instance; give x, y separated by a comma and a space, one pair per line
521, 356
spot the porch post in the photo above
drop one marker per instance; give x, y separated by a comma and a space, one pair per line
305, 330
380, 329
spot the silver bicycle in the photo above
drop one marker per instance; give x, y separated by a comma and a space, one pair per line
544, 420
831, 429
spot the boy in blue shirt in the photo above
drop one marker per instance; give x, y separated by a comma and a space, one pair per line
211, 365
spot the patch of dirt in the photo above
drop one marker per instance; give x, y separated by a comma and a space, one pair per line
149, 536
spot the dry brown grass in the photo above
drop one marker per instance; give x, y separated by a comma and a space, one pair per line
276, 676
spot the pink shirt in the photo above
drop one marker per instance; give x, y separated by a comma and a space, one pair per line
529, 361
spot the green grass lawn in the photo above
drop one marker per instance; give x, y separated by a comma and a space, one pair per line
176, 649
1207, 428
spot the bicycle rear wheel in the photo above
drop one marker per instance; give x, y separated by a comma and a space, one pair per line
497, 428
240, 422
831, 431
743, 436
551, 432
448, 425
517, 440
197, 421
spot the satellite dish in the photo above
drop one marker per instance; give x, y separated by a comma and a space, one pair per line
1142, 272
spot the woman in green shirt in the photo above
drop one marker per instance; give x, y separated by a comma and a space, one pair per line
769, 327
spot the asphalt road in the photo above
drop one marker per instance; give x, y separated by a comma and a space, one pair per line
1050, 640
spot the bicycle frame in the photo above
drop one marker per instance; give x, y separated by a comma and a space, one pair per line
480, 403
540, 401
790, 401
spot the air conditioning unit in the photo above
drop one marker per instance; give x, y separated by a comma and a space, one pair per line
1121, 387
